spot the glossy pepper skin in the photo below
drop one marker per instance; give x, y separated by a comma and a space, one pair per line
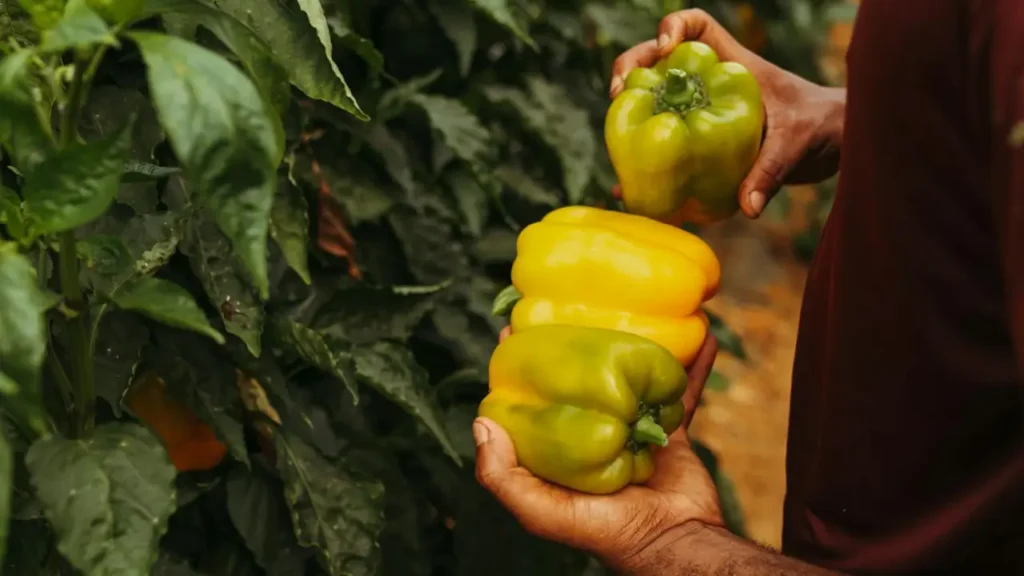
582, 405
585, 266
190, 443
683, 134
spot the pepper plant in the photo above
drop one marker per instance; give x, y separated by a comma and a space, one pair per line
247, 255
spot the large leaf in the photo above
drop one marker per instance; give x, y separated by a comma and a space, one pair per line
324, 352
472, 200
23, 336
107, 496
549, 112
79, 28
118, 352
501, 12
213, 262
333, 509
166, 302
126, 252
392, 370
455, 17
23, 130
76, 185
220, 129
259, 513
296, 40
459, 128
289, 227
363, 47
361, 313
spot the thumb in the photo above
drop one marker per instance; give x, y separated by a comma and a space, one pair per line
538, 506
777, 158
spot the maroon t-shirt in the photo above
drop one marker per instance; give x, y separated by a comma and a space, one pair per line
906, 438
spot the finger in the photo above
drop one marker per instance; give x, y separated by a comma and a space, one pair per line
543, 509
505, 333
639, 56
691, 24
617, 191
698, 376
778, 156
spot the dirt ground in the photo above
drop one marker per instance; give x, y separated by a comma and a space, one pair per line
762, 287
746, 423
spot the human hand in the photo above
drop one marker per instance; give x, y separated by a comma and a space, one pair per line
804, 121
620, 528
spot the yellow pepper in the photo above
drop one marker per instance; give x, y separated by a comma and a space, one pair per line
583, 405
585, 266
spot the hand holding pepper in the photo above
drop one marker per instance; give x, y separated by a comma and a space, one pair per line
804, 121
623, 528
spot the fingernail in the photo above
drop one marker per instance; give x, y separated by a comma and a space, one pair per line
757, 202
480, 432
616, 87
662, 41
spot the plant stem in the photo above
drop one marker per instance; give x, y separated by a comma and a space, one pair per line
681, 92
78, 336
647, 431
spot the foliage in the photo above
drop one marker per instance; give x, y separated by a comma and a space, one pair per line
151, 148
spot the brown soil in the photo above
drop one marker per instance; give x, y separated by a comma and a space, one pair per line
746, 424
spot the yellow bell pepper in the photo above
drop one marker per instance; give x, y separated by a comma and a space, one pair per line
583, 405
585, 266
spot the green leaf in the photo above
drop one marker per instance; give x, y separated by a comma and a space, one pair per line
393, 155
362, 47
524, 186
18, 226
505, 301
391, 369
361, 313
304, 55
23, 336
621, 24
80, 28
472, 200
166, 302
501, 12
393, 101
289, 227
24, 130
214, 263
550, 112
728, 340
431, 251
108, 496
717, 382
220, 130
456, 19
6, 489
77, 184
324, 352
458, 127
333, 510
269, 76
138, 248
259, 513
45, 13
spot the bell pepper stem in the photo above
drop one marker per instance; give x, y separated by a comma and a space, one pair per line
505, 301
681, 92
647, 431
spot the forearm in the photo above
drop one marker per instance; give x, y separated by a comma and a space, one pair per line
700, 550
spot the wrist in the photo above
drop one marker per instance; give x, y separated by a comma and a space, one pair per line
834, 102
662, 550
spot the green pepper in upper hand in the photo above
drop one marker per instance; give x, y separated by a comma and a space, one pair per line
684, 134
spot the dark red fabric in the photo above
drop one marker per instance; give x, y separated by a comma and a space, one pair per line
906, 439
